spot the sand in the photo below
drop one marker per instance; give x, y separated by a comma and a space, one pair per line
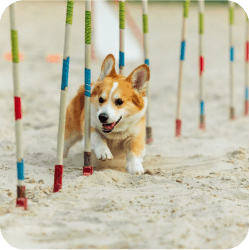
195, 191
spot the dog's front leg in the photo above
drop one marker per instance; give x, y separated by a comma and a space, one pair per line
135, 155
100, 147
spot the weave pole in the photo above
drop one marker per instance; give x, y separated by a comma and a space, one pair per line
149, 138
87, 169
247, 68
21, 200
58, 171
232, 93
132, 24
201, 64
186, 4
121, 36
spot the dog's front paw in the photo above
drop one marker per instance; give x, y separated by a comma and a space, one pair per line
134, 166
103, 152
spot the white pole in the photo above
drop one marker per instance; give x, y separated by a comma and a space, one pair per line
87, 169
64, 85
149, 138
232, 93
201, 64
121, 36
21, 200
182, 58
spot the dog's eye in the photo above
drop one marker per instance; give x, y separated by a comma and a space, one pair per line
119, 102
101, 100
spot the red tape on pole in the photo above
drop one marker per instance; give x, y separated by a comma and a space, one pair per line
58, 172
178, 128
18, 108
247, 51
201, 65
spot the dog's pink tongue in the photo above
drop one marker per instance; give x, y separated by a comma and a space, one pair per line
110, 126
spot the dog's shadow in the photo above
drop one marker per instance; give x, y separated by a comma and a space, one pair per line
76, 161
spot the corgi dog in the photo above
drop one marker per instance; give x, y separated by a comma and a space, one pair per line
118, 106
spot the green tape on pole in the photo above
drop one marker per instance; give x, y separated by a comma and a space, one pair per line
14, 45
69, 18
186, 8
145, 23
201, 23
121, 15
88, 27
231, 15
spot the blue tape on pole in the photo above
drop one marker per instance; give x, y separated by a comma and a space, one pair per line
65, 70
87, 93
202, 107
87, 76
88, 87
246, 94
232, 54
121, 59
20, 170
183, 45
147, 61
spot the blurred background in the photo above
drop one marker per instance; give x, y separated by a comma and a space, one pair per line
41, 29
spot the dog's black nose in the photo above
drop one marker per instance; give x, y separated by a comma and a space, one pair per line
103, 117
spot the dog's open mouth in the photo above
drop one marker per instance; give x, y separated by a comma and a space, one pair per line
108, 127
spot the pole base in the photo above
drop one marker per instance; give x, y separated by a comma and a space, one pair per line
21, 191
202, 126
202, 123
149, 138
246, 108
178, 127
232, 114
58, 172
87, 170
22, 202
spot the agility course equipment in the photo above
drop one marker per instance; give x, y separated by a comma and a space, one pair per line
87, 169
21, 200
232, 93
186, 4
121, 36
58, 171
247, 67
201, 64
147, 61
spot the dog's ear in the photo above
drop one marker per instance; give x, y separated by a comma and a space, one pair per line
139, 77
108, 67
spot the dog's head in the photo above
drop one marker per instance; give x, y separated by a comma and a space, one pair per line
119, 101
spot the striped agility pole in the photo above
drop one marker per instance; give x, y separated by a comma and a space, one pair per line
132, 24
232, 93
247, 68
201, 63
87, 169
58, 171
21, 200
149, 138
182, 58
121, 36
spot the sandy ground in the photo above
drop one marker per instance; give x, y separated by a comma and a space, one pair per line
196, 190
